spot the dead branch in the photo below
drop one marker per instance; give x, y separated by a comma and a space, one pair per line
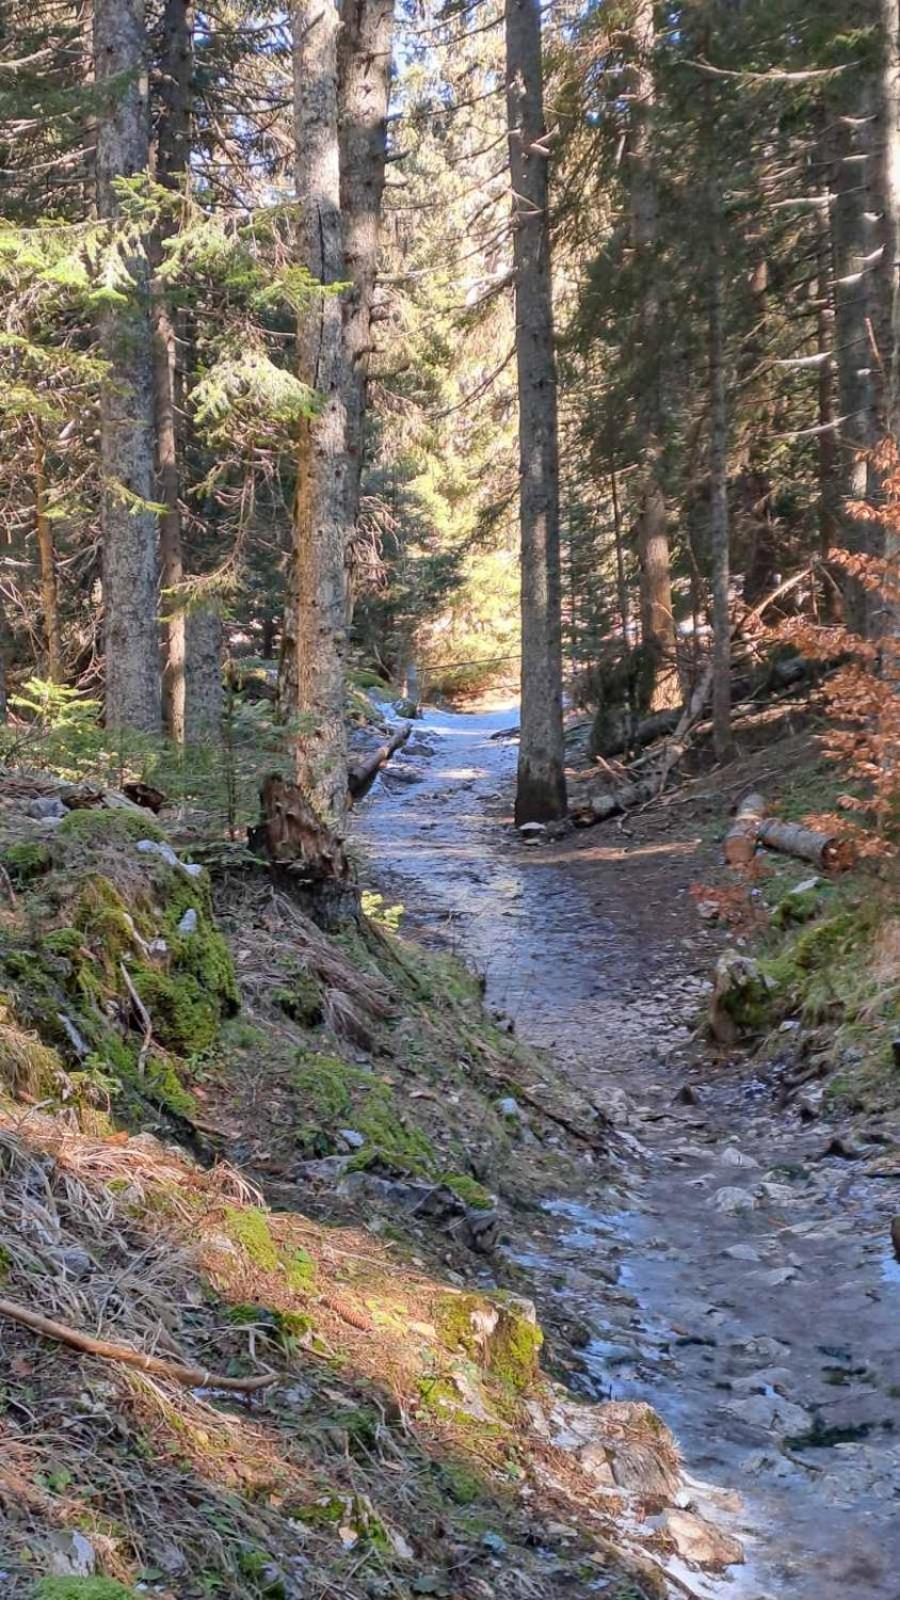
192, 1377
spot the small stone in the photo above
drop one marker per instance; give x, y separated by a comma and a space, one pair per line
351, 1138
701, 1542
510, 1108
188, 923
760, 1382
494, 1542
780, 1194
77, 1262
71, 1555
730, 1199
533, 830
741, 1252
733, 1157
777, 1276
594, 1460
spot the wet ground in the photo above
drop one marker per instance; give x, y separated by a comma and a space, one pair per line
737, 1278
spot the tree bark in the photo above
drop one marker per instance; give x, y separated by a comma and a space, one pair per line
204, 694
853, 239
129, 527
364, 82
316, 619
657, 618
541, 784
47, 559
173, 153
723, 743
828, 455
886, 313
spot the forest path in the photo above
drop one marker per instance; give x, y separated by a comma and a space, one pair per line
735, 1277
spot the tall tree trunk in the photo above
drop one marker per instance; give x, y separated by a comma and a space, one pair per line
130, 564
204, 700
541, 784
173, 153
47, 559
886, 316
853, 237
657, 619
364, 82
718, 486
829, 508
316, 621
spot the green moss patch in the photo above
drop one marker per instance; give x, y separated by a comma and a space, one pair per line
82, 1589
25, 861
331, 1095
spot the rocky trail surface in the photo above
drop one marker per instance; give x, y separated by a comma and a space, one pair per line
723, 1267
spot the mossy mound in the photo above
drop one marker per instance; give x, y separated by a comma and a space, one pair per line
82, 1589
330, 1096
111, 965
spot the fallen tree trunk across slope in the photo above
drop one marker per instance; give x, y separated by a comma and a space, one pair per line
752, 827
362, 775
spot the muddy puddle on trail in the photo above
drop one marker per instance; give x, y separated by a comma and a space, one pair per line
734, 1278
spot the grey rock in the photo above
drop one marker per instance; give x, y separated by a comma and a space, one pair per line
771, 1412
701, 1542
510, 1108
733, 1157
731, 1199
71, 1555
351, 1138
741, 1252
76, 1262
188, 923
46, 807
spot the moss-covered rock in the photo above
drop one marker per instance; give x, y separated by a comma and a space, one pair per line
331, 1095
107, 826
26, 860
500, 1333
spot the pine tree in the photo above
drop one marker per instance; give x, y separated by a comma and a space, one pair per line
541, 784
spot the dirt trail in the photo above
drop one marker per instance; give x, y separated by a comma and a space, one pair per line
734, 1278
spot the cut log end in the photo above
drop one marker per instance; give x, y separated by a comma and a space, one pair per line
741, 838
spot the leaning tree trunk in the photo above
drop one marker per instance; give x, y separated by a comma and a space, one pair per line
172, 167
657, 618
316, 621
718, 486
364, 83
829, 508
130, 567
541, 785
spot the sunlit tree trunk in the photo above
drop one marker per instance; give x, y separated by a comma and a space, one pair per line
541, 784
657, 619
130, 563
316, 621
364, 82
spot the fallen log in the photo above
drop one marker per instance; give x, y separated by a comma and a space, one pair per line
361, 777
743, 835
827, 850
160, 1366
